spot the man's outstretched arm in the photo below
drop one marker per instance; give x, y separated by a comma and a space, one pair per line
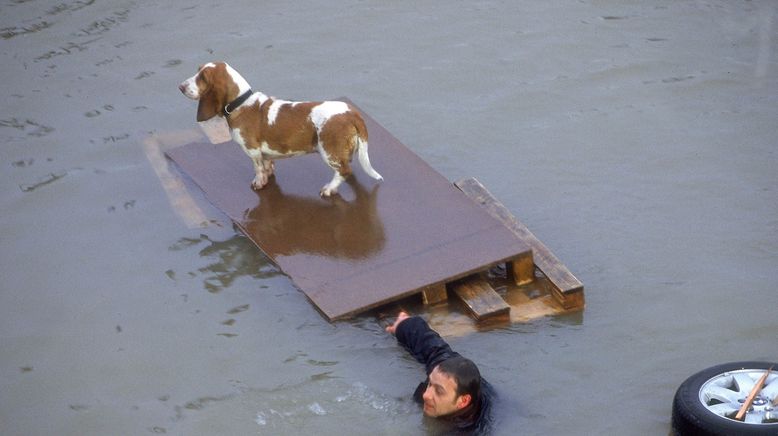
424, 344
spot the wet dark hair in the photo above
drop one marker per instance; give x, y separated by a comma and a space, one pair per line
465, 374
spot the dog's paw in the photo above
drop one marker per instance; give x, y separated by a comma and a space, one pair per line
327, 192
260, 181
257, 185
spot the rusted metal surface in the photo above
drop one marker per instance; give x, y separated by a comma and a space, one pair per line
374, 243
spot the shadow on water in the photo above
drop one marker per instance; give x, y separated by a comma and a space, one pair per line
230, 260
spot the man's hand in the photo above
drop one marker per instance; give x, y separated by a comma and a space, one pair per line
402, 316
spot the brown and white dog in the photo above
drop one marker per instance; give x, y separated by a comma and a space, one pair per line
267, 128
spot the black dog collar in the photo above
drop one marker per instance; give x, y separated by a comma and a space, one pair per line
237, 102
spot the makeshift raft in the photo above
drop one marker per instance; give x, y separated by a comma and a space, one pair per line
377, 243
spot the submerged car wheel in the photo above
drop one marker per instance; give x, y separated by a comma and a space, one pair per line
707, 402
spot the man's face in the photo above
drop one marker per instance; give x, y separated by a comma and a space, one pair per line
441, 397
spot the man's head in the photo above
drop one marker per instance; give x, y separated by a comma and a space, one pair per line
453, 385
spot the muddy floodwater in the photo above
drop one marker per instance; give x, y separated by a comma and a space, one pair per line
637, 140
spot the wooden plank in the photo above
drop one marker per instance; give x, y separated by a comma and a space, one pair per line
527, 303
568, 290
434, 294
180, 200
479, 297
371, 244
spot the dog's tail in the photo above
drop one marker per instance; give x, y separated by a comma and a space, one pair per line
364, 159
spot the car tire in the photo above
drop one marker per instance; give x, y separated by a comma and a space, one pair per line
706, 402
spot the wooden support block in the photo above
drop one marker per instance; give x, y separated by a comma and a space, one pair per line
480, 298
434, 294
522, 269
567, 289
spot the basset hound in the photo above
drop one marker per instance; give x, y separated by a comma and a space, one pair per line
268, 128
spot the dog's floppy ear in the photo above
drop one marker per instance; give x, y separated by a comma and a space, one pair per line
208, 107
210, 103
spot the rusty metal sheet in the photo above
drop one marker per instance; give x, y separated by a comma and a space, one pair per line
371, 244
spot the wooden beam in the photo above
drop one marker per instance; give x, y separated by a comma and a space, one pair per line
479, 297
178, 196
434, 294
568, 290
522, 269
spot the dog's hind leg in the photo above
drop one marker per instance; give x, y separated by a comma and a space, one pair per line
341, 168
332, 187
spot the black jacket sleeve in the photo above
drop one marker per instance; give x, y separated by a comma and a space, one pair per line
424, 344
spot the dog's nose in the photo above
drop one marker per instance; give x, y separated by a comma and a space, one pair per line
182, 87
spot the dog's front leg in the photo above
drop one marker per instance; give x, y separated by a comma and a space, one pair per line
269, 166
262, 176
